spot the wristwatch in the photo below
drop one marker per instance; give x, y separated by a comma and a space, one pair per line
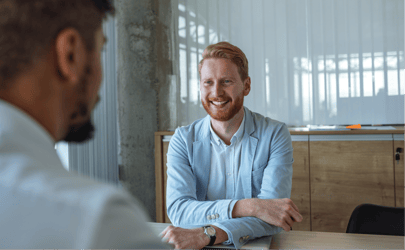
210, 232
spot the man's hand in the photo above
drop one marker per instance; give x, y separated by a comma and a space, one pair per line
182, 238
279, 212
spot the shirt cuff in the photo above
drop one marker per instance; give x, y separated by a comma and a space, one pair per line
230, 240
230, 208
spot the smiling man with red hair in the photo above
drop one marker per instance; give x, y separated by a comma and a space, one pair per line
237, 57
229, 174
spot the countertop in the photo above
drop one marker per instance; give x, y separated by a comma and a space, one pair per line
303, 131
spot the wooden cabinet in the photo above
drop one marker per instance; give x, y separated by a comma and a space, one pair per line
345, 174
300, 190
399, 175
165, 148
330, 176
161, 146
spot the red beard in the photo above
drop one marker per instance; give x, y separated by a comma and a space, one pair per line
225, 113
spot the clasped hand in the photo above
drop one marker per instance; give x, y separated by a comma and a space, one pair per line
182, 238
279, 212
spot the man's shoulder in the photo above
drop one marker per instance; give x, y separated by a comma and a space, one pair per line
193, 130
265, 124
58, 186
88, 194
86, 188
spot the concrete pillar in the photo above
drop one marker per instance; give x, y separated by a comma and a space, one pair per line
144, 72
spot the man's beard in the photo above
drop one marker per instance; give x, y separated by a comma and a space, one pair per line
84, 131
80, 133
226, 114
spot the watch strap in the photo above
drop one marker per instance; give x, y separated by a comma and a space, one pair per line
213, 238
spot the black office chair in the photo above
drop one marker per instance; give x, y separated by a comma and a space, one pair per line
375, 219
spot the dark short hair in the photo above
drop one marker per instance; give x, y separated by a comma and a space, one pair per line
28, 29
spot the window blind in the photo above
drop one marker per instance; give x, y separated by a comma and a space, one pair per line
321, 62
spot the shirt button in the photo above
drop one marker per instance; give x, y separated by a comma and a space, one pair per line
208, 217
240, 239
216, 216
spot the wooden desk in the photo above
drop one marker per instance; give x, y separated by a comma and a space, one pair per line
307, 240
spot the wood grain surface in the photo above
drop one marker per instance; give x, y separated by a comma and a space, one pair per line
300, 191
159, 179
323, 240
345, 174
165, 148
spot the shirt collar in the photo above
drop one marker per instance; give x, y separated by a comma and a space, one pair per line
16, 121
236, 137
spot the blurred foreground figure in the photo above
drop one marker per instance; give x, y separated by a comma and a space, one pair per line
50, 75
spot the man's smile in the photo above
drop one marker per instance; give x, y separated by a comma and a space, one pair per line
219, 104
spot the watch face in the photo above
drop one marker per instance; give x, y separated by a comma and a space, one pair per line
211, 231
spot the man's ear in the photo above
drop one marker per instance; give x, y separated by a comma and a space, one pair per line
246, 86
70, 54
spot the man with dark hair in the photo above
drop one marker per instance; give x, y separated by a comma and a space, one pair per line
50, 75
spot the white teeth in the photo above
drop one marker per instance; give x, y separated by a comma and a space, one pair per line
219, 103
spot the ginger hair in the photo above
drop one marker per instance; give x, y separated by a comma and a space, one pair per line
227, 51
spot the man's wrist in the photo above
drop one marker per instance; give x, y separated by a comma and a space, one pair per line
204, 238
207, 239
211, 233
221, 235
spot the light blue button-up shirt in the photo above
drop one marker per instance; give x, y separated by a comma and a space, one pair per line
265, 172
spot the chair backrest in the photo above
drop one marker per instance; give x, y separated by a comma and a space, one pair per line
375, 219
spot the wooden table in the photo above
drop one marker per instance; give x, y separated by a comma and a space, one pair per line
308, 240
301, 239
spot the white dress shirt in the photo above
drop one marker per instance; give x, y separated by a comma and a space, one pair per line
44, 206
224, 181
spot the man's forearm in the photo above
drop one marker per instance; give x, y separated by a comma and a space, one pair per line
244, 208
279, 212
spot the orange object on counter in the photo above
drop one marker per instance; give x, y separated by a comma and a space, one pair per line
356, 126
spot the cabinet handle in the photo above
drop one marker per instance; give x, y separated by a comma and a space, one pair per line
397, 156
